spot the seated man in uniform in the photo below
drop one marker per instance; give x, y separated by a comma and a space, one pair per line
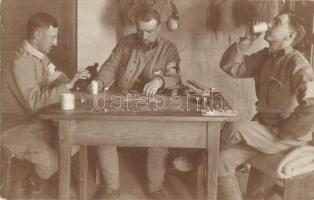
285, 106
147, 63
30, 82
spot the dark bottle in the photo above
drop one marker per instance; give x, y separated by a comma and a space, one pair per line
82, 84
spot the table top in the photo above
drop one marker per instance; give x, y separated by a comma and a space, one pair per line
136, 107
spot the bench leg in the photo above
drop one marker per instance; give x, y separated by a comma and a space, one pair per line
83, 172
201, 182
259, 184
6, 160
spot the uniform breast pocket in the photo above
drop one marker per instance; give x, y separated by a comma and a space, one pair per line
278, 93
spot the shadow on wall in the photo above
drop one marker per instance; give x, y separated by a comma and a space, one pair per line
108, 14
220, 12
12, 36
15, 14
129, 8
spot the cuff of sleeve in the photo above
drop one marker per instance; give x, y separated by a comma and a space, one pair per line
161, 81
68, 86
274, 130
63, 78
101, 84
168, 81
63, 88
287, 132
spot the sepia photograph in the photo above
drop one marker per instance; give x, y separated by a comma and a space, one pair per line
157, 99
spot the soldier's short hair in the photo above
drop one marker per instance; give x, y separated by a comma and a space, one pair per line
145, 14
298, 25
40, 20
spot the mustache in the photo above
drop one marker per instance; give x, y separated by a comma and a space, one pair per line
147, 43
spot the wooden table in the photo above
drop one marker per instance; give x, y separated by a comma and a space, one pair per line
133, 128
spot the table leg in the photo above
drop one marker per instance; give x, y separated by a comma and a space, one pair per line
213, 139
64, 159
200, 195
83, 170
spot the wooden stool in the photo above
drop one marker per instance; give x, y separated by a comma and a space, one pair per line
289, 189
263, 173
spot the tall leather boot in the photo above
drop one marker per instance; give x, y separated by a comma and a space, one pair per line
228, 188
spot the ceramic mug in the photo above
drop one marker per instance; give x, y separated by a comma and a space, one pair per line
67, 101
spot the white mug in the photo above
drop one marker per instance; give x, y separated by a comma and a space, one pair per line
260, 27
94, 87
309, 93
67, 101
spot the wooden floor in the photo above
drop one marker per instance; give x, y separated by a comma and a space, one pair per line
133, 178
178, 186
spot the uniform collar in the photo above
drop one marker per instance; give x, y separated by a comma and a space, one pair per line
280, 53
33, 51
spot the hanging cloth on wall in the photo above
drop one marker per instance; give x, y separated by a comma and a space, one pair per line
267, 10
227, 14
130, 7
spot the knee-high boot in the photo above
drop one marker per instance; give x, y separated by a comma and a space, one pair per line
228, 188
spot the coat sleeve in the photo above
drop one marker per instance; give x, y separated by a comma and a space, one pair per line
238, 65
109, 69
61, 79
171, 76
36, 97
301, 121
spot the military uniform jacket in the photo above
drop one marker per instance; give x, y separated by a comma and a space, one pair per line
281, 80
30, 83
131, 66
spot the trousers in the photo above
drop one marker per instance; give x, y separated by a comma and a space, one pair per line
242, 140
35, 142
156, 167
109, 161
